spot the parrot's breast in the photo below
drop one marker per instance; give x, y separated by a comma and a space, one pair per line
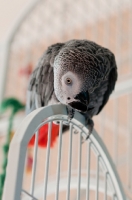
96, 98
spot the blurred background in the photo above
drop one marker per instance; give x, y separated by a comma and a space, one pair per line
27, 28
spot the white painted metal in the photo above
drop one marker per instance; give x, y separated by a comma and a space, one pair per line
5, 47
47, 160
85, 14
88, 170
79, 167
59, 161
34, 163
69, 163
17, 154
105, 188
97, 176
3, 59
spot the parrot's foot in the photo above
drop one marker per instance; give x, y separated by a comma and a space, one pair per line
70, 112
90, 125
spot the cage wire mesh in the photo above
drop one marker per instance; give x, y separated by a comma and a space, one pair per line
105, 22
71, 170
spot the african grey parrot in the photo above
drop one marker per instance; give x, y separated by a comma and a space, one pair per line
79, 73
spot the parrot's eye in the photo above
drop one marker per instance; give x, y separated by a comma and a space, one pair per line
68, 81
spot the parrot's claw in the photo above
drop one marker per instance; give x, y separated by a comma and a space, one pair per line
90, 125
86, 138
70, 112
75, 131
83, 140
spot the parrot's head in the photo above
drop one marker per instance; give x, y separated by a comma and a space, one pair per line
71, 79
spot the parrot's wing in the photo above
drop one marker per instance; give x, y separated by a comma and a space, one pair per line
41, 83
112, 78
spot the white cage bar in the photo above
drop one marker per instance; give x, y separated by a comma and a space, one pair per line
110, 186
107, 23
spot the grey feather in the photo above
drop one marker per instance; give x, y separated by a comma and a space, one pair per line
94, 65
41, 83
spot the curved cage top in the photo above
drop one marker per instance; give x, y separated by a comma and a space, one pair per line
105, 22
73, 169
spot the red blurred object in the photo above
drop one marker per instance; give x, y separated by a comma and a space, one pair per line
43, 136
29, 163
26, 71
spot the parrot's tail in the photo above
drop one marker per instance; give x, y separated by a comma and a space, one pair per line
43, 135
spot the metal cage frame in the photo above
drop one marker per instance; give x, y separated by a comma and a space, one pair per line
17, 155
6, 45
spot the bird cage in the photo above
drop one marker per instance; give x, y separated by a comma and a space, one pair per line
108, 23
89, 170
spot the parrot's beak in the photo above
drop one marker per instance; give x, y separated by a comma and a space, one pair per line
81, 101
78, 106
83, 97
